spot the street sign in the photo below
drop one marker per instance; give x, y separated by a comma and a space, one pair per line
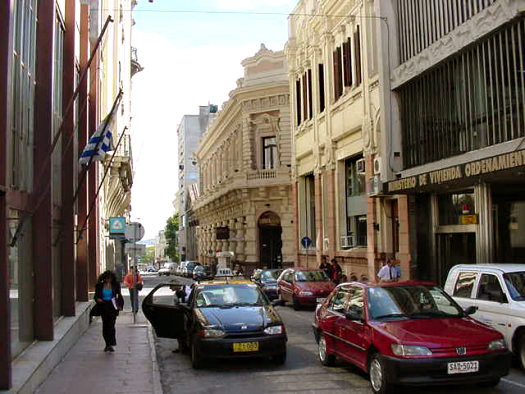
306, 242
117, 227
137, 249
134, 232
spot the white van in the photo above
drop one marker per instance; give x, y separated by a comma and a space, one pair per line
167, 269
498, 291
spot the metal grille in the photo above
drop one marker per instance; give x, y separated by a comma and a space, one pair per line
423, 23
475, 99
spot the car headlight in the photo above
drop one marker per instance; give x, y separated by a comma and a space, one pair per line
306, 293
408, 350
212, 333
497, 344
274, 330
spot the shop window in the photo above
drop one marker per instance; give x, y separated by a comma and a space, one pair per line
454, 208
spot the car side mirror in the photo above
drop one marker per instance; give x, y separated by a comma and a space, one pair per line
470, 310
353, 315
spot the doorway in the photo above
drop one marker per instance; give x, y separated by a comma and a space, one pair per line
270, 243
452, 249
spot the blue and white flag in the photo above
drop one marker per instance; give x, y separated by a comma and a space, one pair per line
101, 141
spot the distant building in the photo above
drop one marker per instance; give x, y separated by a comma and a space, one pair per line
160, 248
189, 133
244, 210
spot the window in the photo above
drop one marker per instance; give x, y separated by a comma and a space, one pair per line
269, 152
357, 54
310, 99
309, 204
355, 177
347, 63
465, 284
298, 101
490, 288
321, 88
338, 79
356, 207
452, 206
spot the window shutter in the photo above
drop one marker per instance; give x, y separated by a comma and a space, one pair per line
321, 88
310, 99
347, 58
305, 98
357, 50
298, 100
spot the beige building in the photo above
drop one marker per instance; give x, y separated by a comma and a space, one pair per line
245, 205
336, 128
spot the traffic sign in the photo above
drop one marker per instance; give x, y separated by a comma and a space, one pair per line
137, 249
306, 242
134, 231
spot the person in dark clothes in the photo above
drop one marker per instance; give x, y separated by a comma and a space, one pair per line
109, 301
337, 271
327, 268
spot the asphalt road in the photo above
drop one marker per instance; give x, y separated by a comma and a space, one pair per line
302, 372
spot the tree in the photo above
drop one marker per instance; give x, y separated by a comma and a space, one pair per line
170, 232
149, 257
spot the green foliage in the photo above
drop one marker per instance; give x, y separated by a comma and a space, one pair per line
170, 232
149, 257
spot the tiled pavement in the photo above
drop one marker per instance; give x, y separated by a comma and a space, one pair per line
86, 368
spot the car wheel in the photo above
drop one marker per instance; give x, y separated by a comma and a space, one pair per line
279, 359
196, 359
377, 372
325, 358
295, 303
521, 351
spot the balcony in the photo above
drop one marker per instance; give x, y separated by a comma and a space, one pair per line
135, 65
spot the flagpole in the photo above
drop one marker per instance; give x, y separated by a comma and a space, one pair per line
36, 189
81, 230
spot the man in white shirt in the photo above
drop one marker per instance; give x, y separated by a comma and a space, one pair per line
387, 273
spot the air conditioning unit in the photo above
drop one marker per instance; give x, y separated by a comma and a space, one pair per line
375, 186
360, 166
377, 165
347, 241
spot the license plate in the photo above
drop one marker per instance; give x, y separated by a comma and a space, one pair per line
246, 347
463, 367
319, 300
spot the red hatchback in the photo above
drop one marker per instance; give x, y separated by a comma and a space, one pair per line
408, 333
303, 286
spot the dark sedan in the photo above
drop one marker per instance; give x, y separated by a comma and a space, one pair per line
267, 280
219, 320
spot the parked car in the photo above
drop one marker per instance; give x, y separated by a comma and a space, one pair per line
151, 268
498, 293
167, 269
303, 286
267, 280
180, 268
408, 333
202, 272
219, 320
188, 269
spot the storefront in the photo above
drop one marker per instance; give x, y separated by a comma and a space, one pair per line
473, 212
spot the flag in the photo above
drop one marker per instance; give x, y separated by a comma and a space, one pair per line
101, 140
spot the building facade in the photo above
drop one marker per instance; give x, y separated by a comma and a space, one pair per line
457, 98
160, 249
337, 129
244, 210
189, 132
52, 98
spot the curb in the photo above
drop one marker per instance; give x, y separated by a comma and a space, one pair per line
157, 385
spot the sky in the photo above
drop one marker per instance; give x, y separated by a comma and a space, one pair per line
191, 52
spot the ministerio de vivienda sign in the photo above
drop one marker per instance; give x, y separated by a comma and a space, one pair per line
460, 172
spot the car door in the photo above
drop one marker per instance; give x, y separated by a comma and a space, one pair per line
286, 285
351, 331
493, 304
166, 317
463, 289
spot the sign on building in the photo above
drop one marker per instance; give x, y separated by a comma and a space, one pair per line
117, 227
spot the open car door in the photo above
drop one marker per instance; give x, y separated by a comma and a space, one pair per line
166, 317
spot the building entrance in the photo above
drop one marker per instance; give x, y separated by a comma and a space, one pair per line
452, 249
270, 243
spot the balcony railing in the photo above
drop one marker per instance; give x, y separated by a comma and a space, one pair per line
262, 174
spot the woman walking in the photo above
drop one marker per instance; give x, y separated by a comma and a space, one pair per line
109, 299
134, 286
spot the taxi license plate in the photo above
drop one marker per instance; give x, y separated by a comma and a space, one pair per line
246, 347
463, 367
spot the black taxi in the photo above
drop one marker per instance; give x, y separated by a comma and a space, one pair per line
217, 319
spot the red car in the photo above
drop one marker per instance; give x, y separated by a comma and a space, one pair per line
303, 286
408, 333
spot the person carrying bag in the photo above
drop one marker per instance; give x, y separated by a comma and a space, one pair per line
108, 297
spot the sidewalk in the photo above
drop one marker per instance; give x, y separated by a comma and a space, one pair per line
88, 369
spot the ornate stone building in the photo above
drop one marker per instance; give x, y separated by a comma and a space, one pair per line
336, 128
245, 205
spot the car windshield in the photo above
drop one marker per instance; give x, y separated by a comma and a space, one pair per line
410, 302
311, 276
229, 295
515, 282
270, 275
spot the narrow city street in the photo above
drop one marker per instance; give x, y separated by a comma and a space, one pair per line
302, 372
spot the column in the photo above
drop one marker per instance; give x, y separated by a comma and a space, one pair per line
484, 235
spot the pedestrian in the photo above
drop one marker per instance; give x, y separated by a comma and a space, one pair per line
387, 273
396, 266
109, 300
327, 268
337, 271
134, 287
